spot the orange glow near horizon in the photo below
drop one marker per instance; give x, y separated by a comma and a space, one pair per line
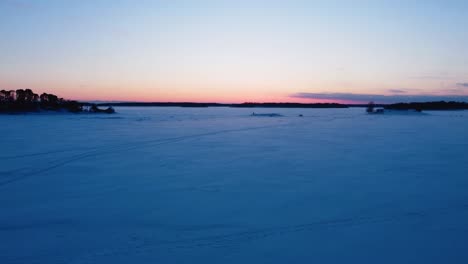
209, 96
169, 93
200, 99
200, 91
111, 93
234, 51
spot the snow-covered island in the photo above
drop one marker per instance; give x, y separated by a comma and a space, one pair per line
372, 108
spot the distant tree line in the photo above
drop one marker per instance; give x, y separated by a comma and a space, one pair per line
291, 105
441, 105
244, 105
28, 101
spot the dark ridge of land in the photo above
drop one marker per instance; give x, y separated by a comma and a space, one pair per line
420, 106
27, 101
366, 105
164, 104
242, 105
442, 105
291, 105
24, 101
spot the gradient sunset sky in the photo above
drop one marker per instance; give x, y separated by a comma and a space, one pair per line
236, 51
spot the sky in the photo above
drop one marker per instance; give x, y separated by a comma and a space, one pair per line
236, 51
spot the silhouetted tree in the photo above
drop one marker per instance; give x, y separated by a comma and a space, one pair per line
28, 96
370, 107
11, 95
35, 98
20, 96
73, 106
2, 96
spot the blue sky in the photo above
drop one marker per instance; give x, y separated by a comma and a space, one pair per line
233, 51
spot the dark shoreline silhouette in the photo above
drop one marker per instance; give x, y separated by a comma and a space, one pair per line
26, 101
442, 105
242, 105
420, 106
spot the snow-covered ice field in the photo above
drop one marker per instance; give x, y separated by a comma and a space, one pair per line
215, 185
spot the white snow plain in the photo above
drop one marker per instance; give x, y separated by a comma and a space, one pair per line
217, 185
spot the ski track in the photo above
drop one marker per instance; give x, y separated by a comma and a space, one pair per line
250, 235
40, 154
133, 243
29, 172
144, 246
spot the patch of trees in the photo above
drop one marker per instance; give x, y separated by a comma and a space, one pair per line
441, 105
370, 107
27, 101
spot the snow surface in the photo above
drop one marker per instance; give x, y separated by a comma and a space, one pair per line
217, 185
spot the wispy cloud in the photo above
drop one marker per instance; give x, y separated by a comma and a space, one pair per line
433, 76
379, 98
463, 84
430, 77
397, 91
